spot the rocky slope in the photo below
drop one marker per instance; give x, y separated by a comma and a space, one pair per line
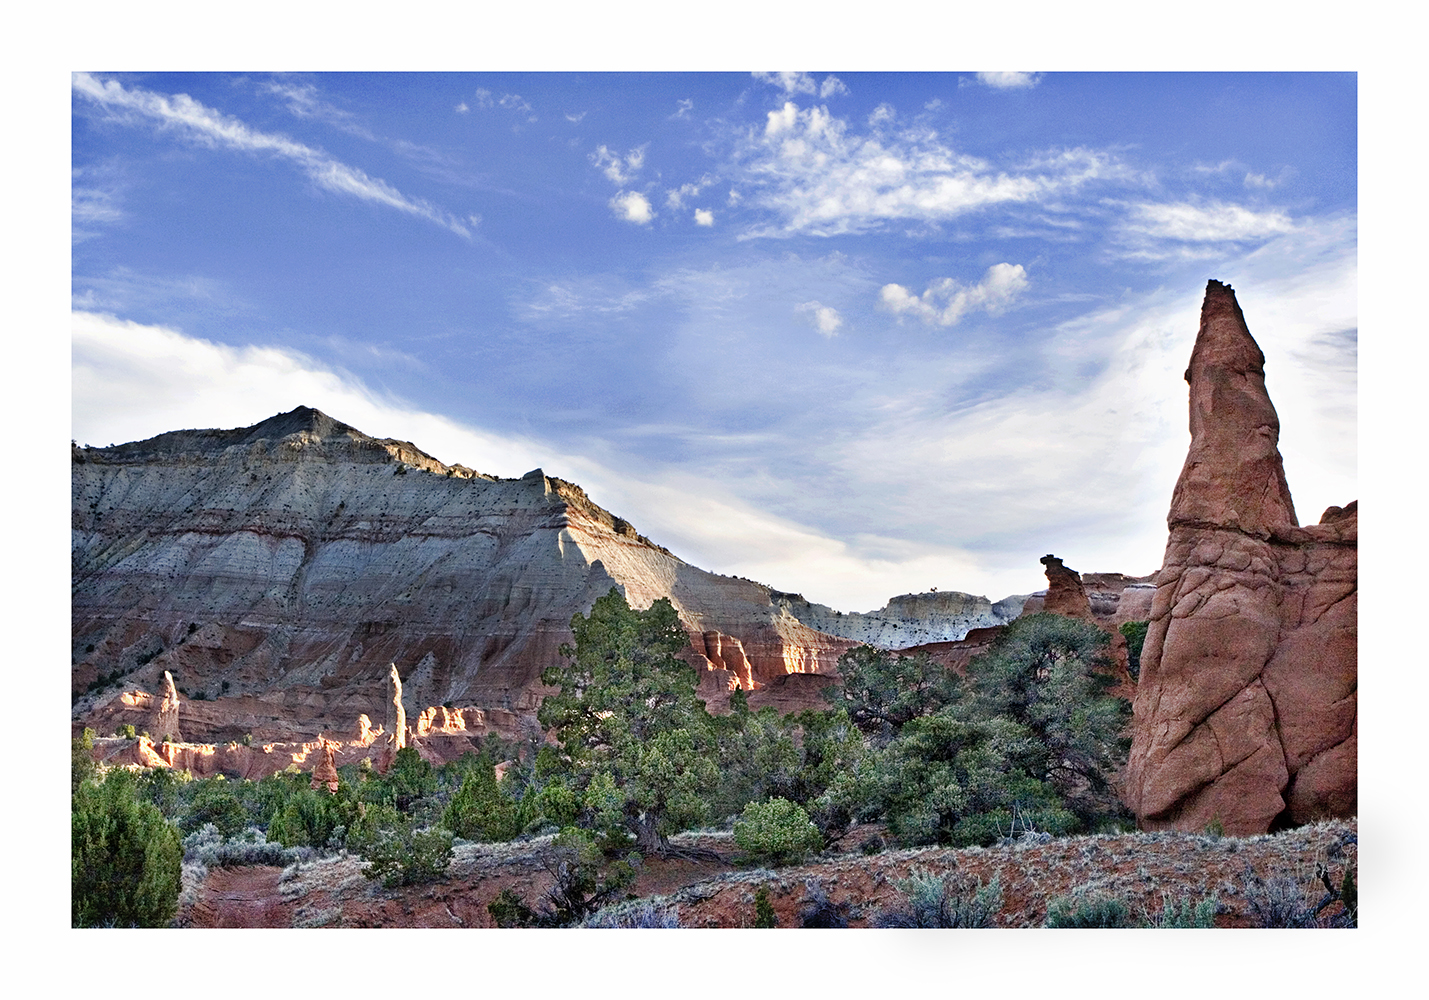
1143, 869
1247, 708
278, 570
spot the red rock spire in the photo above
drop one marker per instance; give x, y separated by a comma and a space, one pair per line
1233, 476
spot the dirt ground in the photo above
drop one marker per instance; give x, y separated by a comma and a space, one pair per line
1143, 868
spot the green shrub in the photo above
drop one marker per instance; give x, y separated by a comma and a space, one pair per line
764, 915
1087, 909
82, 766
777, 831
582, 881
480, 810
510, 910
215, 802
125, 860
1135, 633
949, 781
398, 853
126, 731
951, 900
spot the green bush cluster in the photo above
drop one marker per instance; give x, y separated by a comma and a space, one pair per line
125, 860
776, 831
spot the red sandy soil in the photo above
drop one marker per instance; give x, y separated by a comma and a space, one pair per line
1142, 868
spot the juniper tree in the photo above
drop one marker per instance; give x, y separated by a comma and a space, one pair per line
632, 739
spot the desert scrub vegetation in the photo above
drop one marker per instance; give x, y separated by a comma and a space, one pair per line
951, 900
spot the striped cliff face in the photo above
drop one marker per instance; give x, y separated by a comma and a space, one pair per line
279, 569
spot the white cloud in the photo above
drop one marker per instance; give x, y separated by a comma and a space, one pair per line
704, 217
683, 107
575, 118
882, 115
1214, 222
819, 177
826, 319
1009, 81
461, 108
790, 83
675, 197
208, 127
945, 301
832, 85
632, 206
618, 169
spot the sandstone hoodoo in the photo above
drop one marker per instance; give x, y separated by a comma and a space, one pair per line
277, 571
1246, 711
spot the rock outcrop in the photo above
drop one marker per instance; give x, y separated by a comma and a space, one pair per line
1246, 712
908, 619
277, 570
325, 773
165, 724
394, 723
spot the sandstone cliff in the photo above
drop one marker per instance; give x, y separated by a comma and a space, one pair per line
1246, 712
277, 570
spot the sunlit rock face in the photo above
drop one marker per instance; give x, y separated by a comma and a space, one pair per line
1246, 712
278, 570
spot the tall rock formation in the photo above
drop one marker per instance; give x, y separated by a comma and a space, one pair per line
394, 723
165, 722
277, 570
1246, 711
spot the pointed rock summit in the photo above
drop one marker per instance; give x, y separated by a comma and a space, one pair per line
1246, 714
1233, 476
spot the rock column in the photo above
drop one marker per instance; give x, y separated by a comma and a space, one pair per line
1251, 646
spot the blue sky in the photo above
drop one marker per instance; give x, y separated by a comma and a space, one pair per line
851, 334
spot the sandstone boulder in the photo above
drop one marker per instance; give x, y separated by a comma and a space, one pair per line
1246, 712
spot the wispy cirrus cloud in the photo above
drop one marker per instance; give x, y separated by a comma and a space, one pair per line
946, 300
819, 177
207, 126
1162, 231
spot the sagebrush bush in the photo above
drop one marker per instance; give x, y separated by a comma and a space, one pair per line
778, 831
208, 847
950, 900
1089, 909
1184, 913
635, 915
817, 910
1279, 902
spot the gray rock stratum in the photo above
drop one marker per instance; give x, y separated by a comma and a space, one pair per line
909, 619
277, 570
